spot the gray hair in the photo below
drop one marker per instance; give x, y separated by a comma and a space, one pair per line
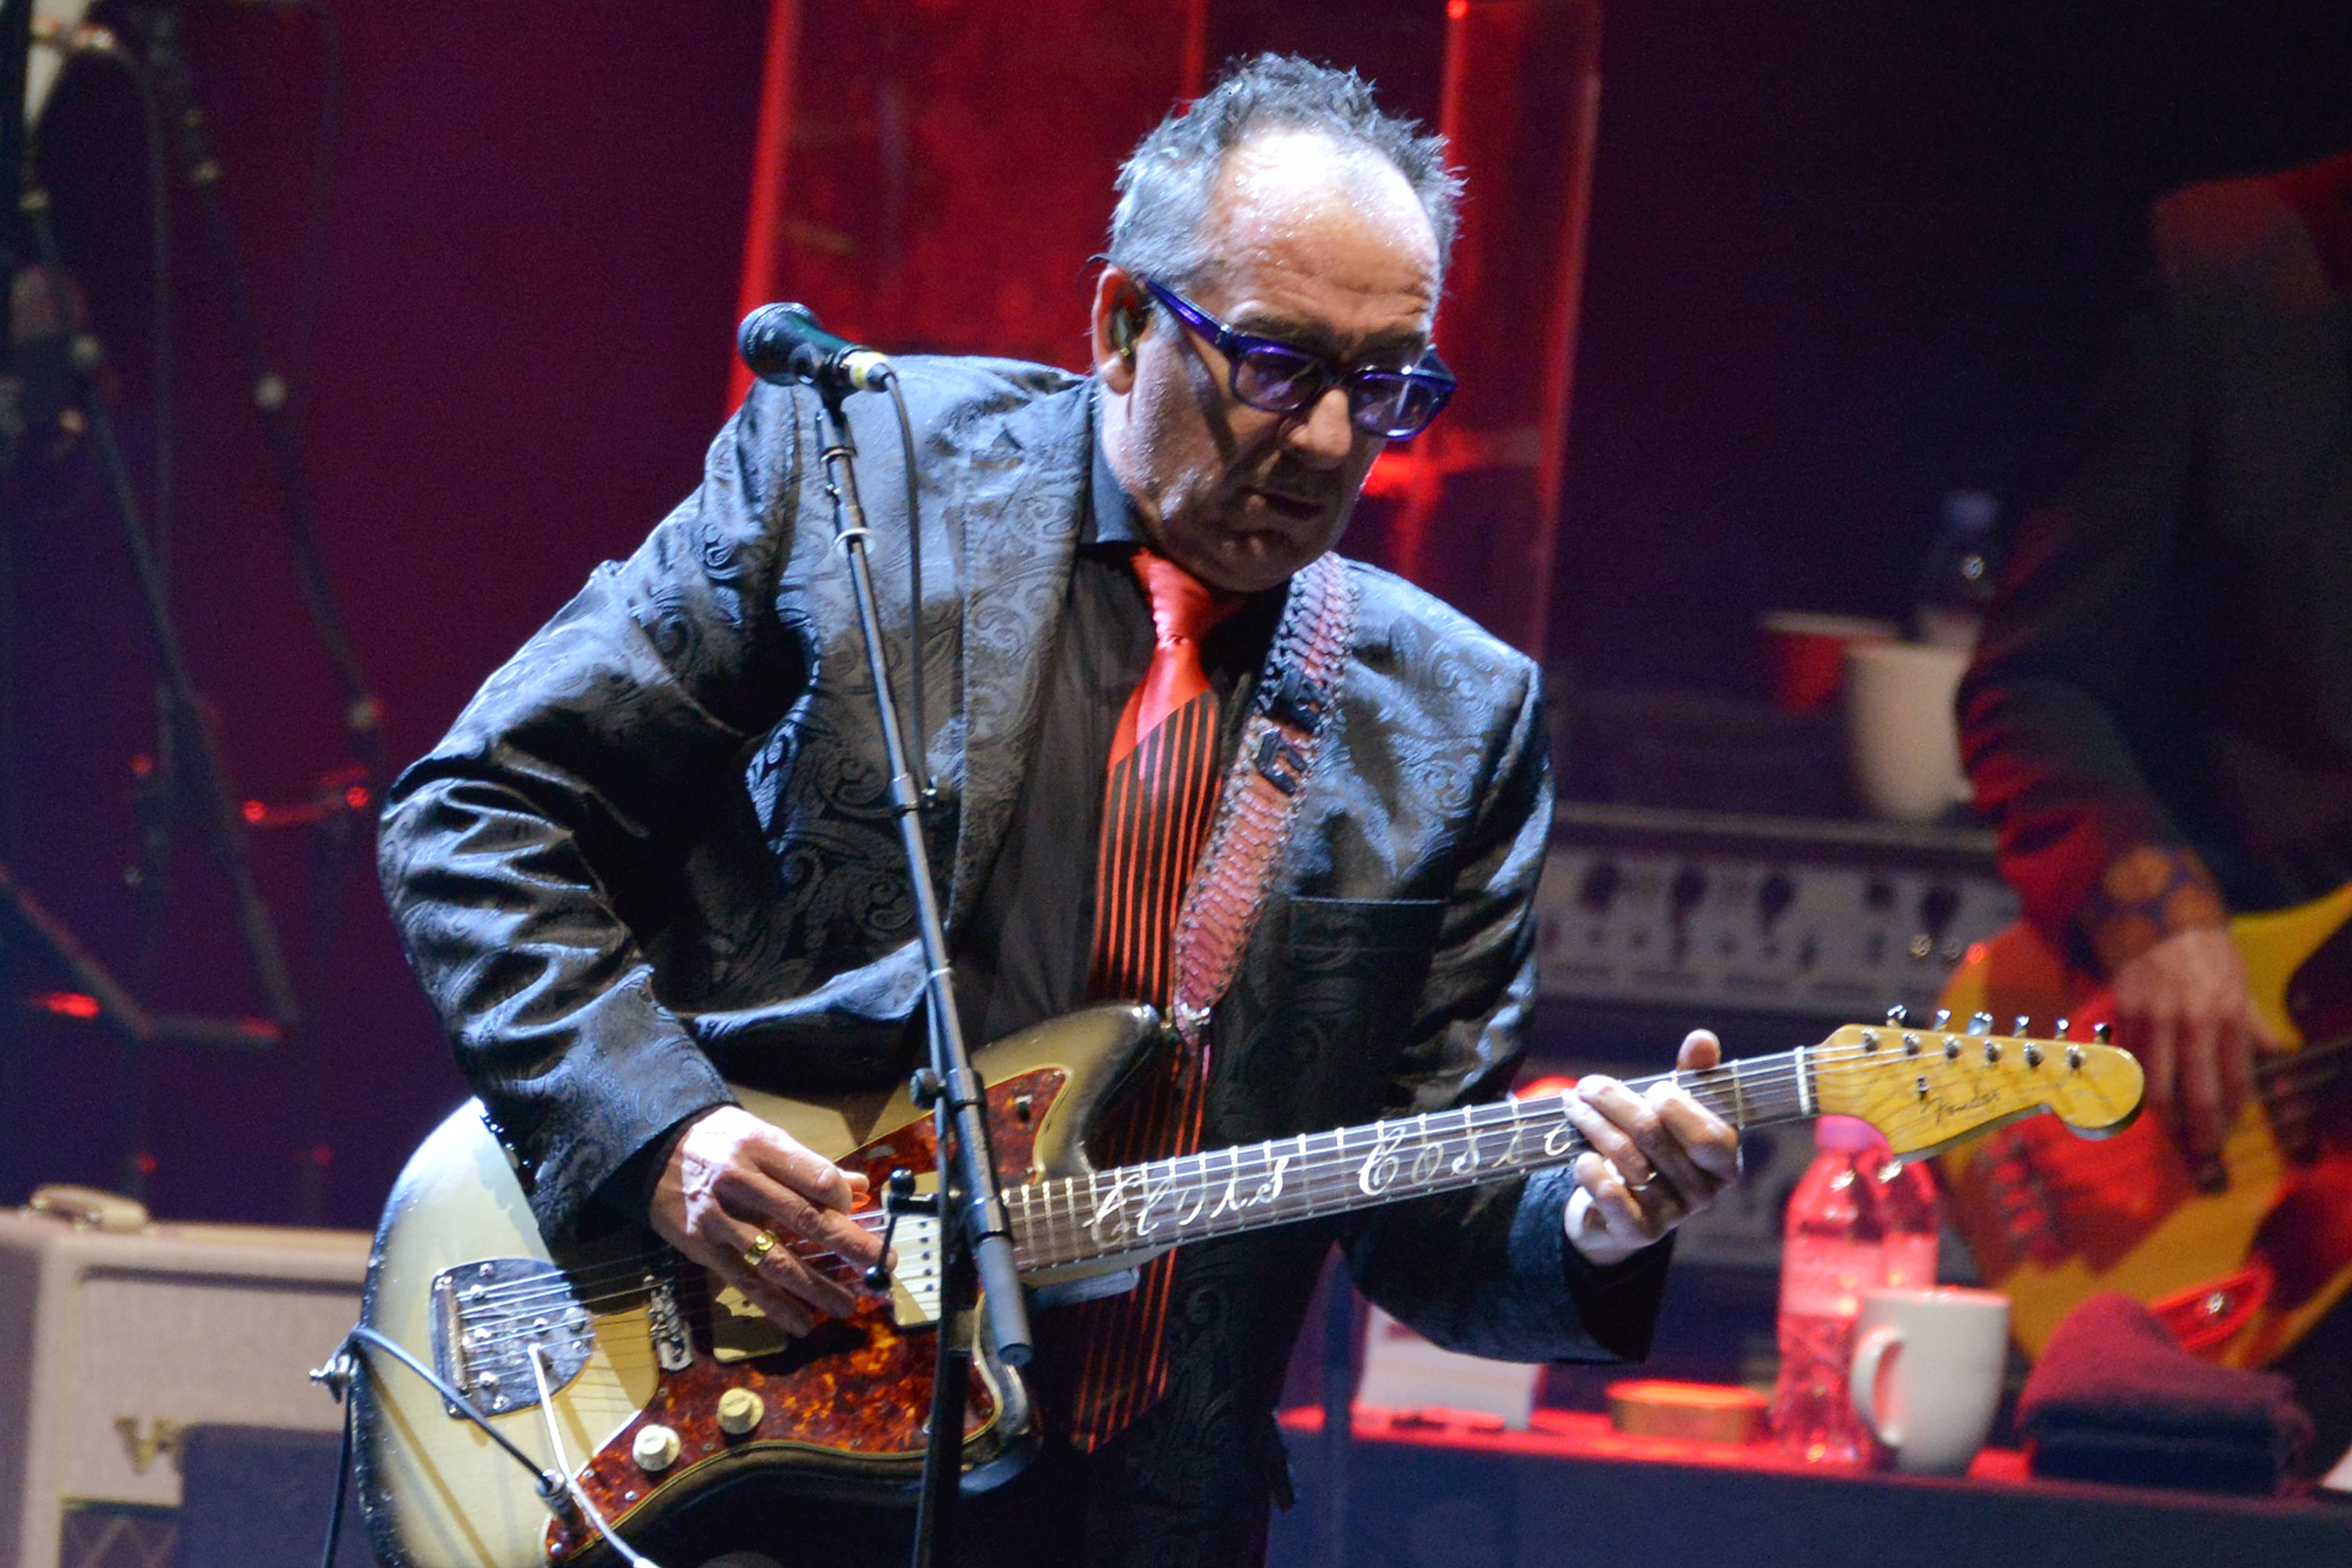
1165, 188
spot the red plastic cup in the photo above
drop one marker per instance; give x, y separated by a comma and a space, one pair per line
1805, 652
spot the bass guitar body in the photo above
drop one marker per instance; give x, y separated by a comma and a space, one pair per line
2239, 1259
667, 1394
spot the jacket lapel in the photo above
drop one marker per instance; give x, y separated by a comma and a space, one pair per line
1015, 520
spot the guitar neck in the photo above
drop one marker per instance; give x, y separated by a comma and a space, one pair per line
1223, 1192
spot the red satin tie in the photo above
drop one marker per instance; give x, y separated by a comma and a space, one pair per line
1161, 792
1159, 797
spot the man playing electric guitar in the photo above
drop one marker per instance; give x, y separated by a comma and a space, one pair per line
654, 855
2160, 712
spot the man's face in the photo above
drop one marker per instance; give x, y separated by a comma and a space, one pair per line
1321, 248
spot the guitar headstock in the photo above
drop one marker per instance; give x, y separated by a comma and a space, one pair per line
1928, 1088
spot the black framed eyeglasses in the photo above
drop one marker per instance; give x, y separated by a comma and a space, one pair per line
1283, 378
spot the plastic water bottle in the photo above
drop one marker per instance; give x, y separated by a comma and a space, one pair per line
1955, 583
1856, 1222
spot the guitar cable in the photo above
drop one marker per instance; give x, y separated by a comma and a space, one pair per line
536, 1353
562, 1496
342, 1461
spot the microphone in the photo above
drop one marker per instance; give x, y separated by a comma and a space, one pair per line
784, 343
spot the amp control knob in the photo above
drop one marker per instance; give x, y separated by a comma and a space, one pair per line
1688, 888
654, 1448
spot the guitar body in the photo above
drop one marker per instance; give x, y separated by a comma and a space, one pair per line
667, 1397
2240, 1272
635, 1340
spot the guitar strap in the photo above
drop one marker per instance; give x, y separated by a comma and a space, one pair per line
1295, 707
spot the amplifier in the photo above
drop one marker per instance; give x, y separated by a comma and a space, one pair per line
1708, 913
1772, 931
117, 1335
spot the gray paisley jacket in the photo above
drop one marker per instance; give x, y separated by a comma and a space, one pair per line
656, 850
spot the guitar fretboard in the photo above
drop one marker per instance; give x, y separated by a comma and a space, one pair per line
1221, 1192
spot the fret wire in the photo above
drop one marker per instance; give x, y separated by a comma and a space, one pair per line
1321, 1181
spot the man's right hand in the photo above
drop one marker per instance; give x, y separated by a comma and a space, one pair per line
2184, 1009
732, 1178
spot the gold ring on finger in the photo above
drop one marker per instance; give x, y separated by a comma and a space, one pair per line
757, 1253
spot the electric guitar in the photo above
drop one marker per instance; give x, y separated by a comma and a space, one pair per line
662, 1389
2239, 1267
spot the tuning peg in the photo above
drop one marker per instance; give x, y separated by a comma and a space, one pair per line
1980, 1023
1943, 1018
2103, 1033
2024, 1022
2059, 1032
1897, 1016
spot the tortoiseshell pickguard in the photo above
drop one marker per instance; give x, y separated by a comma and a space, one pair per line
850, 1399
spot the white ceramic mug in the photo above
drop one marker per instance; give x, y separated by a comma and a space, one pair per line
1926, 1370
1902, 740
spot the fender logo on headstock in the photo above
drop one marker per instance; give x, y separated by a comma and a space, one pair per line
1947, 1109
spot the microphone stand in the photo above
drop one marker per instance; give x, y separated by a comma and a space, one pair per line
175, 86
976, 1238
224, 830
167, 63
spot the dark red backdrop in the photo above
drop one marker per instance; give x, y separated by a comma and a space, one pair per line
537, 224
1841, 259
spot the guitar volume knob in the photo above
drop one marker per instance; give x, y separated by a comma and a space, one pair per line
740, 1411
654, 1448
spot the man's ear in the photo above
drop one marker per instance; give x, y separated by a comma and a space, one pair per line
1119, 319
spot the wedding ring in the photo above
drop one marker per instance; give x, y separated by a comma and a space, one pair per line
757, 1253
1645, 1184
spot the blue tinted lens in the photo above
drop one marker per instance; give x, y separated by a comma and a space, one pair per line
1278, 379
1394, 404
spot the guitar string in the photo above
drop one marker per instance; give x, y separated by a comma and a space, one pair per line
614, 1280
1320, 1172
1832, 1064
627, 1273
2327, 1058
1784, 1101
1321, 1177
1330, 1181
629, 1270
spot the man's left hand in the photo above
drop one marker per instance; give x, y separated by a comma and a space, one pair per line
1657, 1158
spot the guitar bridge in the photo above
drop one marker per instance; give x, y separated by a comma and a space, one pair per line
486, 1317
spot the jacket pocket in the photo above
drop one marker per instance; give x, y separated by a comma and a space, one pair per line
1352, 990
1363, 926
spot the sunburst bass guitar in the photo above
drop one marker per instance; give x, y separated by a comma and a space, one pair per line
665, 1390
2239, 1261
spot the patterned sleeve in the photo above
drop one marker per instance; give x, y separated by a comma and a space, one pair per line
518, 854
